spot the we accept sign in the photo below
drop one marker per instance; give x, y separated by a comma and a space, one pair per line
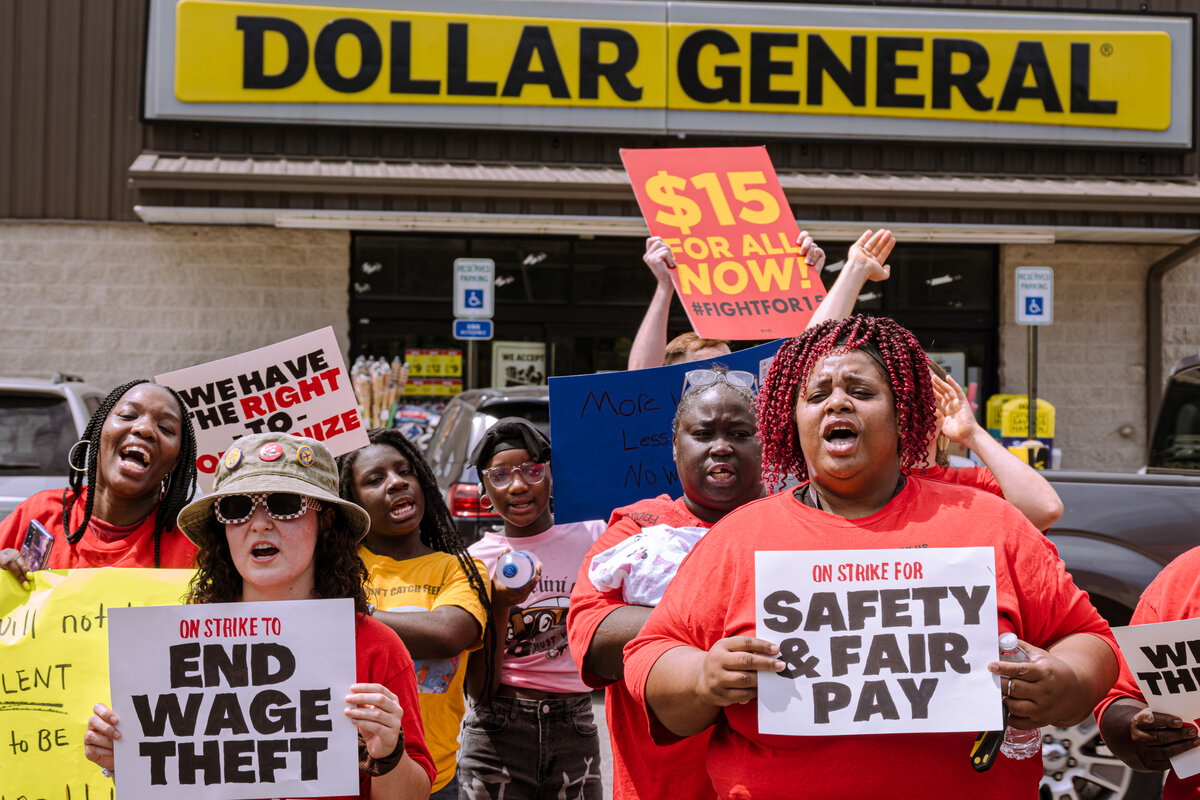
878, 641
234, 700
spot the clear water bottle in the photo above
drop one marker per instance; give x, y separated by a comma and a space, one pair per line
1017, 744
514, 569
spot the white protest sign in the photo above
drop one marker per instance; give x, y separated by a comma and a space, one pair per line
1164, 657
298, 386
234, 700
878, 641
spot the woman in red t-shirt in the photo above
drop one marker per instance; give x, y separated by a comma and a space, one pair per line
138, 455
275, 529
848, 407
719, 461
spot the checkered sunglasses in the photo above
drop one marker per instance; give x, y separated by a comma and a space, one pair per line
236, 508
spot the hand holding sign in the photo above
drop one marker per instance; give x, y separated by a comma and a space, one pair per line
730, 671
376, 712
1158, 737
101, 733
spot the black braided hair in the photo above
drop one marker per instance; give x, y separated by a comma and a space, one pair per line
438, 530
182, 478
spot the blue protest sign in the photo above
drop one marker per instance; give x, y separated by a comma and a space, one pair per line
611, 433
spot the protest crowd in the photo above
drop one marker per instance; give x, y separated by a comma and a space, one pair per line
474, 672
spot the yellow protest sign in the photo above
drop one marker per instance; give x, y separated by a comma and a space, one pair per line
54, 668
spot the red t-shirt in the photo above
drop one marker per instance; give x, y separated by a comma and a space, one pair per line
712, 597
642, 770
381, 657
102, 545
1173, 595
975, 477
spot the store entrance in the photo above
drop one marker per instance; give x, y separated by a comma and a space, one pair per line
564, 305
571, 305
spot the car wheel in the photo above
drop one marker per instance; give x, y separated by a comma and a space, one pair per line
1079, 766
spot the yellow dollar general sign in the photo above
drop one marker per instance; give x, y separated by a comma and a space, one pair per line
712, 67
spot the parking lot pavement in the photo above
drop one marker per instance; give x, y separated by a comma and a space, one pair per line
605, 744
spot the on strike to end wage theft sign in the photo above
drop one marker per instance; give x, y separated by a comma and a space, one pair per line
723, 213
878, 641
234, 700
297, 386
54, 668
1164, 658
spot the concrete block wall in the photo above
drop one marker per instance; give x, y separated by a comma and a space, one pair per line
1181, 314
115, 301
1092, 360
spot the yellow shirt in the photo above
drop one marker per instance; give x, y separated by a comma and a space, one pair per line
424, 584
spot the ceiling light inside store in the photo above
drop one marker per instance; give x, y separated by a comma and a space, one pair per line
942, 280
868, 297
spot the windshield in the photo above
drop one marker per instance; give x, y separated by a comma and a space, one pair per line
1176, 442
36, 433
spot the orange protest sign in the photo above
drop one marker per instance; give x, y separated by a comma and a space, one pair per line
723, 213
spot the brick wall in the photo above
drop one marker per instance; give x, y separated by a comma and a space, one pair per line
1092, 360
114, 301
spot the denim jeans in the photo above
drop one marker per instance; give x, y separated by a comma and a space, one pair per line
447, 792
514, 749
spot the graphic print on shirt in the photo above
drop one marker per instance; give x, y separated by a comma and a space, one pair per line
540, 628
434, 675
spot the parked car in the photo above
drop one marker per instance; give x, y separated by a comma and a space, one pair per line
39, 422
460, 428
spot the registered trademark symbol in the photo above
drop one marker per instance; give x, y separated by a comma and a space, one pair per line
1106, 49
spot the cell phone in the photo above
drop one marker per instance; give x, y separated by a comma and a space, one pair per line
36, 547
983, 752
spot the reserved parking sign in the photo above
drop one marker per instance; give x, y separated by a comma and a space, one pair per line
1035, 295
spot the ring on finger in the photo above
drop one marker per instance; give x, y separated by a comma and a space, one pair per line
1008, 694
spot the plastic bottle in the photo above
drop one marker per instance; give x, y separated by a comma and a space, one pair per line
1017, 744
515, 569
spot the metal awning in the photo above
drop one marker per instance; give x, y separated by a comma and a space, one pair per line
864, 192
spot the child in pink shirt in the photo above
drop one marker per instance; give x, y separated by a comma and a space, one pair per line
530, 732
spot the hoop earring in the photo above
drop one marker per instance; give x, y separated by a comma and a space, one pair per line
71, 455
166, 484
485, 502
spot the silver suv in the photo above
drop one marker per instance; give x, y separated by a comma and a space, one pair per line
39, 422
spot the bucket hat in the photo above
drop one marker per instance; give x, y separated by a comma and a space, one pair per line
272, 462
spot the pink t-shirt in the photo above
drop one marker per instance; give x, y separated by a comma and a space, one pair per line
536, 653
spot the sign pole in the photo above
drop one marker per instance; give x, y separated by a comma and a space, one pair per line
1035, 307
1033, 366
470, 364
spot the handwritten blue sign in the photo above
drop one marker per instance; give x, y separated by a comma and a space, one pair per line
611, 433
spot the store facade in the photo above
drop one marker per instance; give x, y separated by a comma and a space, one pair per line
263, 169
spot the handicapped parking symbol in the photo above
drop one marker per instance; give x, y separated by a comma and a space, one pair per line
474, 298
1033, 306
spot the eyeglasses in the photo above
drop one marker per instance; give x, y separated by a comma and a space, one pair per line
532, 472
707, 377
237, 508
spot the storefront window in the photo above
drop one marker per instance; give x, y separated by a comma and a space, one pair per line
583, 299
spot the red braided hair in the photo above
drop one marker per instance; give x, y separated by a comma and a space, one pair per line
904, 362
